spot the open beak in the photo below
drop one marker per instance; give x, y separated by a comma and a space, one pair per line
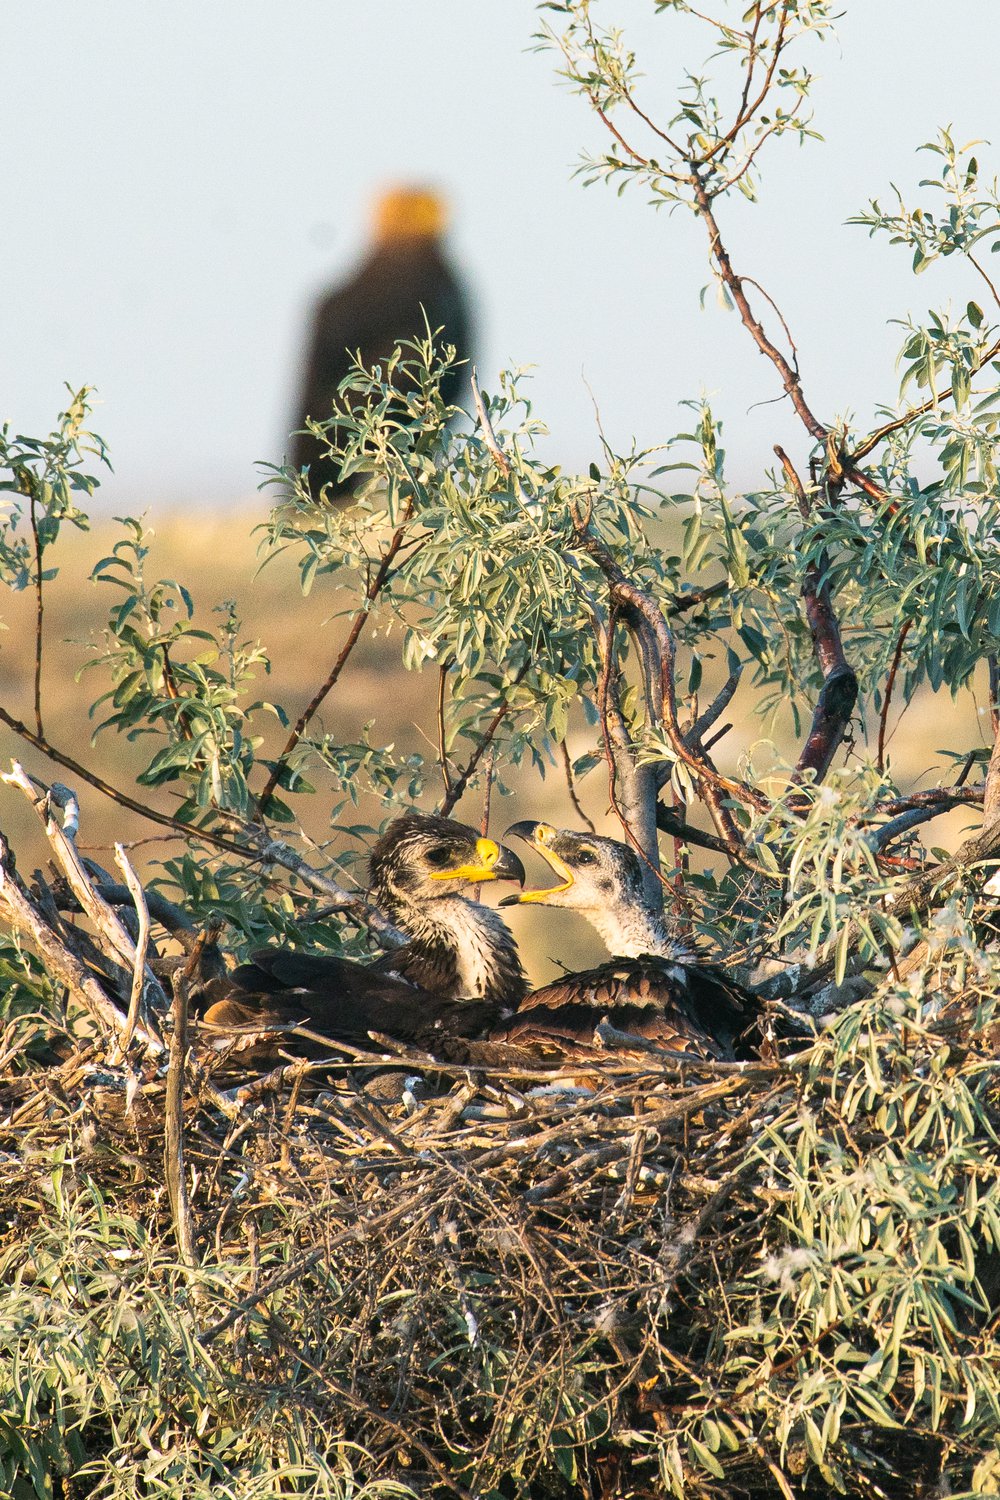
538, 836
492, 862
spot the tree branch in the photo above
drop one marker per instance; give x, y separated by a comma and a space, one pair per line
635, 804
39, 608
734, 285
668, 822
887, 697
839, 692
638, 608
457, 789
358, 623
863, 449
571, 786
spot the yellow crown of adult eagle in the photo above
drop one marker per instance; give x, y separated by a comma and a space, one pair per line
404, 285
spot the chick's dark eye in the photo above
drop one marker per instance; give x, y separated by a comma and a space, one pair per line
585, 857
438, 856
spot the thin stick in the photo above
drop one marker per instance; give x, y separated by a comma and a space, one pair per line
442, 752
141, 947
571, 786
358, 623
887, 698
872, 441
790, 378
173, 1145
454, 795
39, 612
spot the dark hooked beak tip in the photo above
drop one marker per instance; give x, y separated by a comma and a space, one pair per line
525, 830
509, 867
509, 901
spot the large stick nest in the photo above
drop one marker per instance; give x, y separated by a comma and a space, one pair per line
705, 1278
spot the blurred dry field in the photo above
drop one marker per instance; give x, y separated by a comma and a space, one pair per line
215, 554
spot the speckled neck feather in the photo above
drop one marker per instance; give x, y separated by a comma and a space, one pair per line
458, 949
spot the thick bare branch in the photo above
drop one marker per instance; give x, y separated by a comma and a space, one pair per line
839, 692
141, 947
63, 842
703, 723
24, 916
571, 786
668, 821
654, 638
631, 786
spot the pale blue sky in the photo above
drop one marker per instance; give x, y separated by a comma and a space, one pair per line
180, 179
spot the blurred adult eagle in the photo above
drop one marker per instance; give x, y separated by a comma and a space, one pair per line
404, 280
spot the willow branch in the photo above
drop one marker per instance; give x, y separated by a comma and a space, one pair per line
703, 723
360, 619
790, 378
881, 837
163, 820
916, 896
39, 610
636, 605
931, 404
668, 821
173, 1145
887, 697
839, 692
442, 751
627, 781
942, 797
681, 603
458, 786
571, 786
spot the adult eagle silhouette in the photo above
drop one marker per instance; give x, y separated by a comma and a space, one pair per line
403, 286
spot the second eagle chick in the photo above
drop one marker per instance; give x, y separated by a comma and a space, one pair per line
654, 987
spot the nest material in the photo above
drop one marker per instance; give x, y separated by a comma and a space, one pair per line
690, 1277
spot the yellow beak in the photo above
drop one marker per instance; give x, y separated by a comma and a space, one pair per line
537, 835
491, 863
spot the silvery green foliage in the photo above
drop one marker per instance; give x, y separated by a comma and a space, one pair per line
857, 1328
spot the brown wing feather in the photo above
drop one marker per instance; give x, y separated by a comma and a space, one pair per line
680, 1007
276, 993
